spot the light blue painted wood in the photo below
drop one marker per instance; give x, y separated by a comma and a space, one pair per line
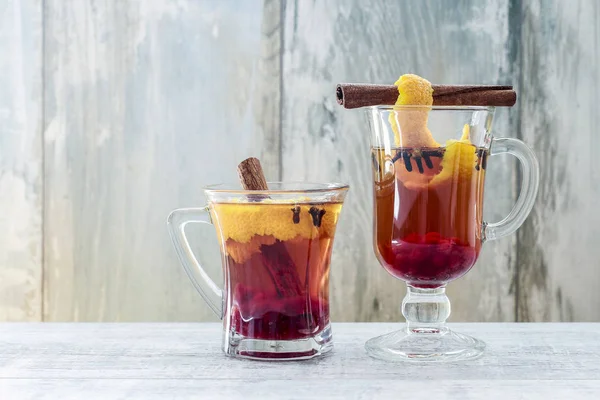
559, 256
20, 160
146, 102
352, 41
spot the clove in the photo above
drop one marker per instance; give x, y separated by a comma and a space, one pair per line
317, 216
296, 215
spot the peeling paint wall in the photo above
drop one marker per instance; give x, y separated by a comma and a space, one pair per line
114, 113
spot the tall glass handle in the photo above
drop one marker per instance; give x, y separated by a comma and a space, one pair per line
529, 186
208, 289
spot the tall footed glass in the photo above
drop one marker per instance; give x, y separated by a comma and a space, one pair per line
276, 247
429, 167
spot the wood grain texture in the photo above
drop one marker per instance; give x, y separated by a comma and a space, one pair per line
558, 361
343, 389
559, 256
21, 189
146, 102
268, 93
328, 42
141, 103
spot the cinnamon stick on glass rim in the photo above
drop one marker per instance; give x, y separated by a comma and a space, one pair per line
356, 95
251, 175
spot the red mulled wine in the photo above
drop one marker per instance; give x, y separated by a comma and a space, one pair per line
278, 257
428, 221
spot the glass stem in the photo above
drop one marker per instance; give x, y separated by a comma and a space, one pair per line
426, 310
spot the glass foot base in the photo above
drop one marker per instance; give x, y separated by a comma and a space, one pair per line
425, 345
280, 350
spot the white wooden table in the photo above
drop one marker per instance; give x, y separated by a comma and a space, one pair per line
161, 361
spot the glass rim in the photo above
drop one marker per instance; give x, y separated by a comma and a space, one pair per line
431, 108
303, 187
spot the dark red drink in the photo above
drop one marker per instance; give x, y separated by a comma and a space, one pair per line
278, 257
428, 220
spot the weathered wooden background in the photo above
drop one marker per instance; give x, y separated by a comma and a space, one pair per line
113, 113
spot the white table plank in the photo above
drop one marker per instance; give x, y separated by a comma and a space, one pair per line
296, 389
182, 360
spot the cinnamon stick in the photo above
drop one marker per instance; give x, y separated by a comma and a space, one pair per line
275, 257
282, 269
356, 95
251, 175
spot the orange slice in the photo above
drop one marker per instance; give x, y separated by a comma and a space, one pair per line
410, 125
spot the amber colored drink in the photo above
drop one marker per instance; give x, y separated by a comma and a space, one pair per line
428, 224
278, 257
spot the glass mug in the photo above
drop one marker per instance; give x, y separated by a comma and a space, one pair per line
428, 215
276, 249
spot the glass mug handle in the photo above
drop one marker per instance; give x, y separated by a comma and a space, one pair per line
529, 187
208, 289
